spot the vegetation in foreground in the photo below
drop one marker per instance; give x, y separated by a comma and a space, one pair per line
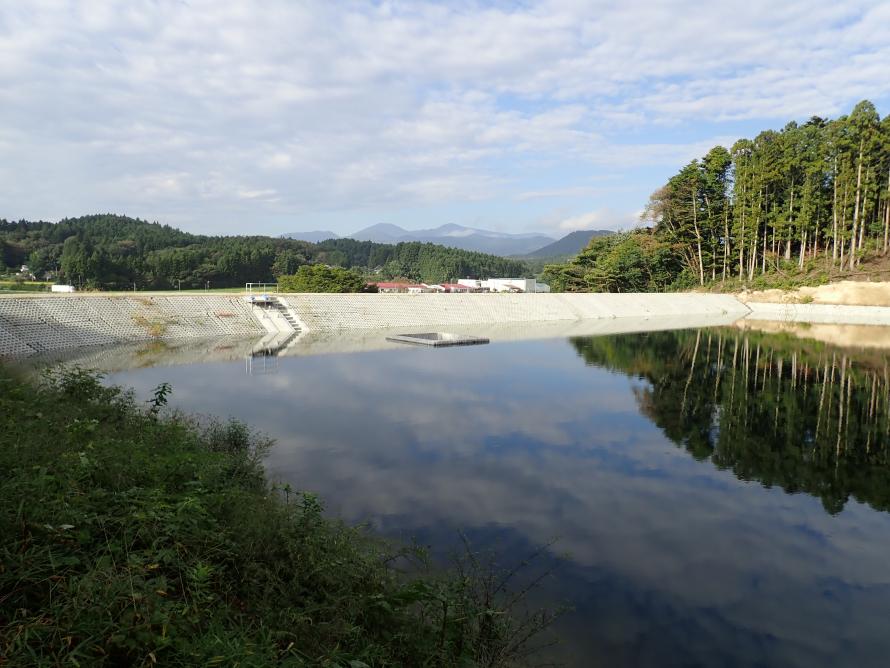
801, 206
131, 537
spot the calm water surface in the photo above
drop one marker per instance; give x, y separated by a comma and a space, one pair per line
718, 498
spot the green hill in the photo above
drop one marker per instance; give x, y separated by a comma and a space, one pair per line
571, 244
113, 252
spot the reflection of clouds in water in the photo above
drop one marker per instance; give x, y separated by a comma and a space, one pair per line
526, 436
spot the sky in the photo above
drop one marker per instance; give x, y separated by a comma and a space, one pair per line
267, 117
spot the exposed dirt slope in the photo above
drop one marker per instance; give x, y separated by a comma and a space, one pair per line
854, 293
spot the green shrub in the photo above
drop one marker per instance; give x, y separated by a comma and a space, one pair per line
322, 278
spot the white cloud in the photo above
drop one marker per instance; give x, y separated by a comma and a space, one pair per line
573, 191
357, 106
257, 194
278, 160
600, 219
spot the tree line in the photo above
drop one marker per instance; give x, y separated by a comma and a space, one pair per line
115, 252
808, 198
418, 261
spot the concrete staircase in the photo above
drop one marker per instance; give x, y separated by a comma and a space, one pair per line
288, 313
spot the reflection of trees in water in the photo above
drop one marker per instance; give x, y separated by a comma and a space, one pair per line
801, 415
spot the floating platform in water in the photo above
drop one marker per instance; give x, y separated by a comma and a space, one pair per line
437, 339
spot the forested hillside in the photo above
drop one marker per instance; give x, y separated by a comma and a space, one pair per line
809, 199
114, 252
421, 261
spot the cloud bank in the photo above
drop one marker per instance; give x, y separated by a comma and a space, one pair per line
224, 117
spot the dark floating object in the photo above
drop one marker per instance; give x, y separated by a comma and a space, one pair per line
437, 339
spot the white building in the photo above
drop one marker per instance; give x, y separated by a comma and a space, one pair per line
62, 288
452, 287
505, 285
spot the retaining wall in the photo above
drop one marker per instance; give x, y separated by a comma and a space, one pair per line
332, 312
30, 325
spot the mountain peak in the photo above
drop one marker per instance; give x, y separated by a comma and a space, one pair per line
385, 227
380, 232
313, 236
571, 244
457, 236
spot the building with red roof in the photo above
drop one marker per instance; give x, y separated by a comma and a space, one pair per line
452, 287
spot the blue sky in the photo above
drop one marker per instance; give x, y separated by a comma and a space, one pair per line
276, 116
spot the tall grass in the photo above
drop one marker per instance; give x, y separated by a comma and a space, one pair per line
130, 535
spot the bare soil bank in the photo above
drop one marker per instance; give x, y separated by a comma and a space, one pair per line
848, 293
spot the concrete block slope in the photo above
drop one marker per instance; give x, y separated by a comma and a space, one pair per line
331, 312
31, 325
44, 324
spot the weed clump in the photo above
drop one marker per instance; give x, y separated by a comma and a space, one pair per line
133, 535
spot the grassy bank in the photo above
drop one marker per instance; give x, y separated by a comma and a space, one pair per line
129, 536
24, 286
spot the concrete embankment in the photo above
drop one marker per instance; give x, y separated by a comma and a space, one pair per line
334, 312
41, 324
30, 325
46, 324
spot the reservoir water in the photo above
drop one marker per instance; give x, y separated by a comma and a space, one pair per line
716, 497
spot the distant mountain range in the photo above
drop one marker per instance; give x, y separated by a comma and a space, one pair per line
467, 238
457, 236
571, 244
312, 237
